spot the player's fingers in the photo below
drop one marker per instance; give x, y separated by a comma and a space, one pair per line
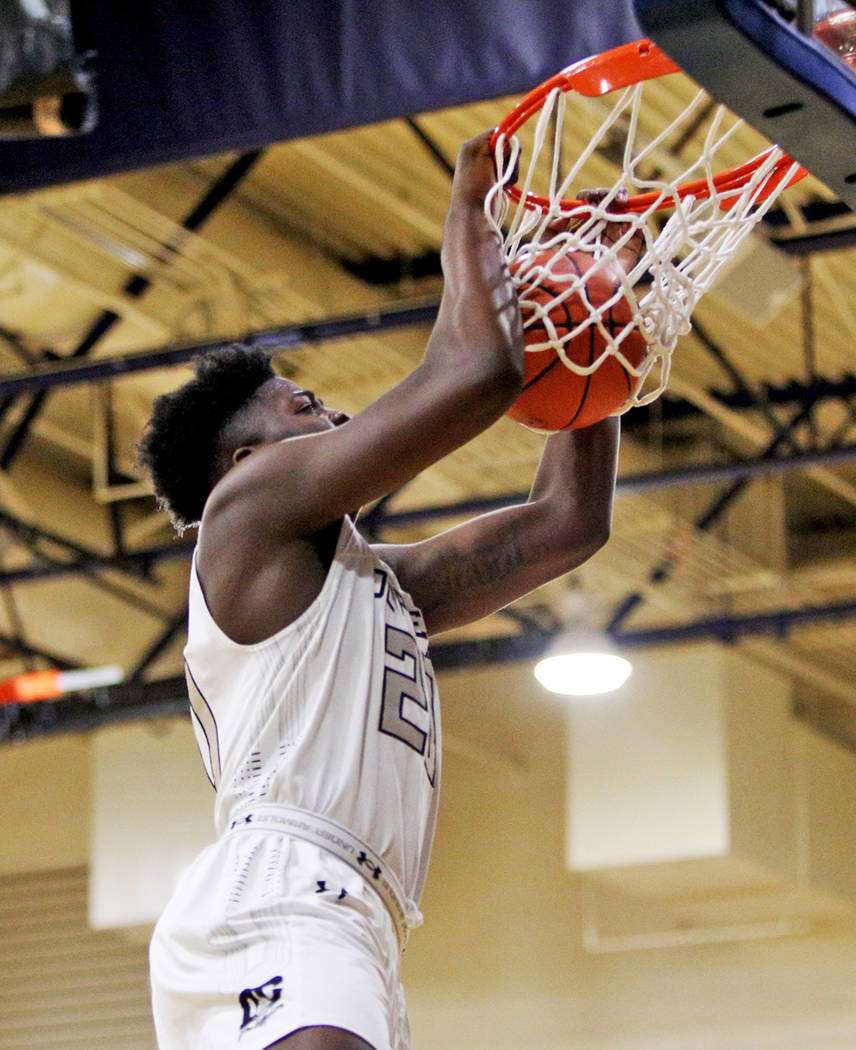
474, 170
612, 231
595, 197
474, 153
592, 196
598, 196
514, 174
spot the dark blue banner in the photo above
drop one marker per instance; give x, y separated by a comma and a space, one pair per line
184, 79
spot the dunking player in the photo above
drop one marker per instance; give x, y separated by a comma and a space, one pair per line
312, 694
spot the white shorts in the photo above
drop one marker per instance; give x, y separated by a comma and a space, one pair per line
266, 934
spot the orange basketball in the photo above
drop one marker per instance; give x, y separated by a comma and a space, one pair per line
554, 397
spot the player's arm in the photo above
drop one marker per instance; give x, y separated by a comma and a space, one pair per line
471, 372
478, 567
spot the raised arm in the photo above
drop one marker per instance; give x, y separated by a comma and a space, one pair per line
476, 568
480, 566
470, 373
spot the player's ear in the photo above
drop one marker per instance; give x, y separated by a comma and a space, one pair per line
241, 453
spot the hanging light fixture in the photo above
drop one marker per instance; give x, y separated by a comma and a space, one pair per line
582, 662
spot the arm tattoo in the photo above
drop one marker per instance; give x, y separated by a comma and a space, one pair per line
495, 558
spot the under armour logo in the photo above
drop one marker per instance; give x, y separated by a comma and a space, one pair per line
322, 888
258, 1003
363, 859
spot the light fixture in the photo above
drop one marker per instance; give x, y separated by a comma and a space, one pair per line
582, 663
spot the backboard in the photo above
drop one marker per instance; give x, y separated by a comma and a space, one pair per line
756, 60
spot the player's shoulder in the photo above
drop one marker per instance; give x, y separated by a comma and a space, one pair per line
257, 497
255, 587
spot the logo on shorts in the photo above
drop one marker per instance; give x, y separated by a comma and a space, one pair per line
259, 1003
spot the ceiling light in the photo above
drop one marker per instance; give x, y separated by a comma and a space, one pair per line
582, 663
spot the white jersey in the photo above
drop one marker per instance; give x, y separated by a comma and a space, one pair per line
336, 714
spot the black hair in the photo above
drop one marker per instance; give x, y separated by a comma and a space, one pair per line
180, 443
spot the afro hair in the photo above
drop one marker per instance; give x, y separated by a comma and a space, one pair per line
179, 445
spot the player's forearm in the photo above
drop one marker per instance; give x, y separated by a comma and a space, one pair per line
480, 566
479, 326
576, 480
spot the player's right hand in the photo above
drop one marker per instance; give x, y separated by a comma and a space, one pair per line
474, 171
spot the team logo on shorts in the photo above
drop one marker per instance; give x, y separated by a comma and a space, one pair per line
259, 1003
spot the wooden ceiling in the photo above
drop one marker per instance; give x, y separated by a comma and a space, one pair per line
351, 223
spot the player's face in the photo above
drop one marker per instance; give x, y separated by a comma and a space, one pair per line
290, 411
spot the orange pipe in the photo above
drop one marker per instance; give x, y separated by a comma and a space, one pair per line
30, 686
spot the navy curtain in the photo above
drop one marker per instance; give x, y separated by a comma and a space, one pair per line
182, 79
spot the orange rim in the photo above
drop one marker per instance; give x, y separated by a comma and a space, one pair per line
610, 71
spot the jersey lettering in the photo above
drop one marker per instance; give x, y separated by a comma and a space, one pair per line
400, 685
409, 690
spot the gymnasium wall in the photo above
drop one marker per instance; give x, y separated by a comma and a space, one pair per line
499, 963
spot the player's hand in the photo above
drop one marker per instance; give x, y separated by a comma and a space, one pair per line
629, 253
475, 172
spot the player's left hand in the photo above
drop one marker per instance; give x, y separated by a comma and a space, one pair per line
629, 253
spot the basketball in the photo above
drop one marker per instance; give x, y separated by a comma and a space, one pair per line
554, 397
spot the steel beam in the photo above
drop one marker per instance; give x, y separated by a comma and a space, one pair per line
778, 622
813, 243
84, 712
85, 561
628, 484
666, 566
174, 627
134, 287
140, 562
437, 154
136, 562
134, 700
30, 536
15, 646
66, 372
274, 340
140, 700
826, 226
741, 386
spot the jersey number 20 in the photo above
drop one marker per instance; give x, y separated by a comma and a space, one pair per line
408, 689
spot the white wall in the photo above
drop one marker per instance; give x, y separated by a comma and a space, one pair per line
151, 813
44, 804
499, 963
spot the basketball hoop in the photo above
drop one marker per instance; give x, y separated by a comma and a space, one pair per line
712, 211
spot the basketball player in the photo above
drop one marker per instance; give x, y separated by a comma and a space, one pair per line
312, 694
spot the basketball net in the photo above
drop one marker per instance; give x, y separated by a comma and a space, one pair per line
680, 257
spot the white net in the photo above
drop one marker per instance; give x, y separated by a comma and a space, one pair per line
649, 265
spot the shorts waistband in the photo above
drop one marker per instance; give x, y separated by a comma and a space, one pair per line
342, 843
